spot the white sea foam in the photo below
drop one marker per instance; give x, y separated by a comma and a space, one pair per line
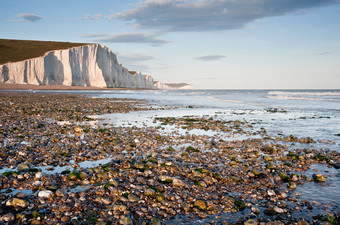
224, 100
285, 97
304, 93
197, 93
333, 96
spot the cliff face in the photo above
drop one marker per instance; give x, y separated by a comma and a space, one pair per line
88, 65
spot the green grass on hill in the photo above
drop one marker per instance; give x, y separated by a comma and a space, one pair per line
18, 50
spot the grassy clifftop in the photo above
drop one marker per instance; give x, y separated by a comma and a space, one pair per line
18, 50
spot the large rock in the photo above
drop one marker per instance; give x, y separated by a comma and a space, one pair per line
16, 202
150, 192
45, 194
278, 210
319, 177
178, 183
133, 198
125, 221
250, 222
23, 167
200, 205
9, 217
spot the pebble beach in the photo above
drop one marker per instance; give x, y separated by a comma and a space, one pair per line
60, 164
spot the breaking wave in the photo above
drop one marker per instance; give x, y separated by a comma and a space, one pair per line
305, 95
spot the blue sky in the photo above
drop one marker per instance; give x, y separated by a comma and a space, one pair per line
266, 44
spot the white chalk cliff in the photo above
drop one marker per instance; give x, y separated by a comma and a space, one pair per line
88, 65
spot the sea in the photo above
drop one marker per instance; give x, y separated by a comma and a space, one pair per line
302, 113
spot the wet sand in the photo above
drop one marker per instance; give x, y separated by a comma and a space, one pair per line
149, 177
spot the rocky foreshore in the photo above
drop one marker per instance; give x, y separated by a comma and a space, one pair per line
50, 145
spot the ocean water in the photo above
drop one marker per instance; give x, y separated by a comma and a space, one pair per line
303, 113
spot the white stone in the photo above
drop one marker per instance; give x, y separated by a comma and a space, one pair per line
271, 192
45, 194
278, 210
38, 175
255, 210
168, 163
283, 195
106, 201
36, 183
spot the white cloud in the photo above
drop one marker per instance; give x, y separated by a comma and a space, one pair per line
93, 35
28, 17
136, 57
135, 61
95, 17
210, 57
133, 38
202, 15
324, 53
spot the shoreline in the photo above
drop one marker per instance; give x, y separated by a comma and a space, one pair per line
151, 177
